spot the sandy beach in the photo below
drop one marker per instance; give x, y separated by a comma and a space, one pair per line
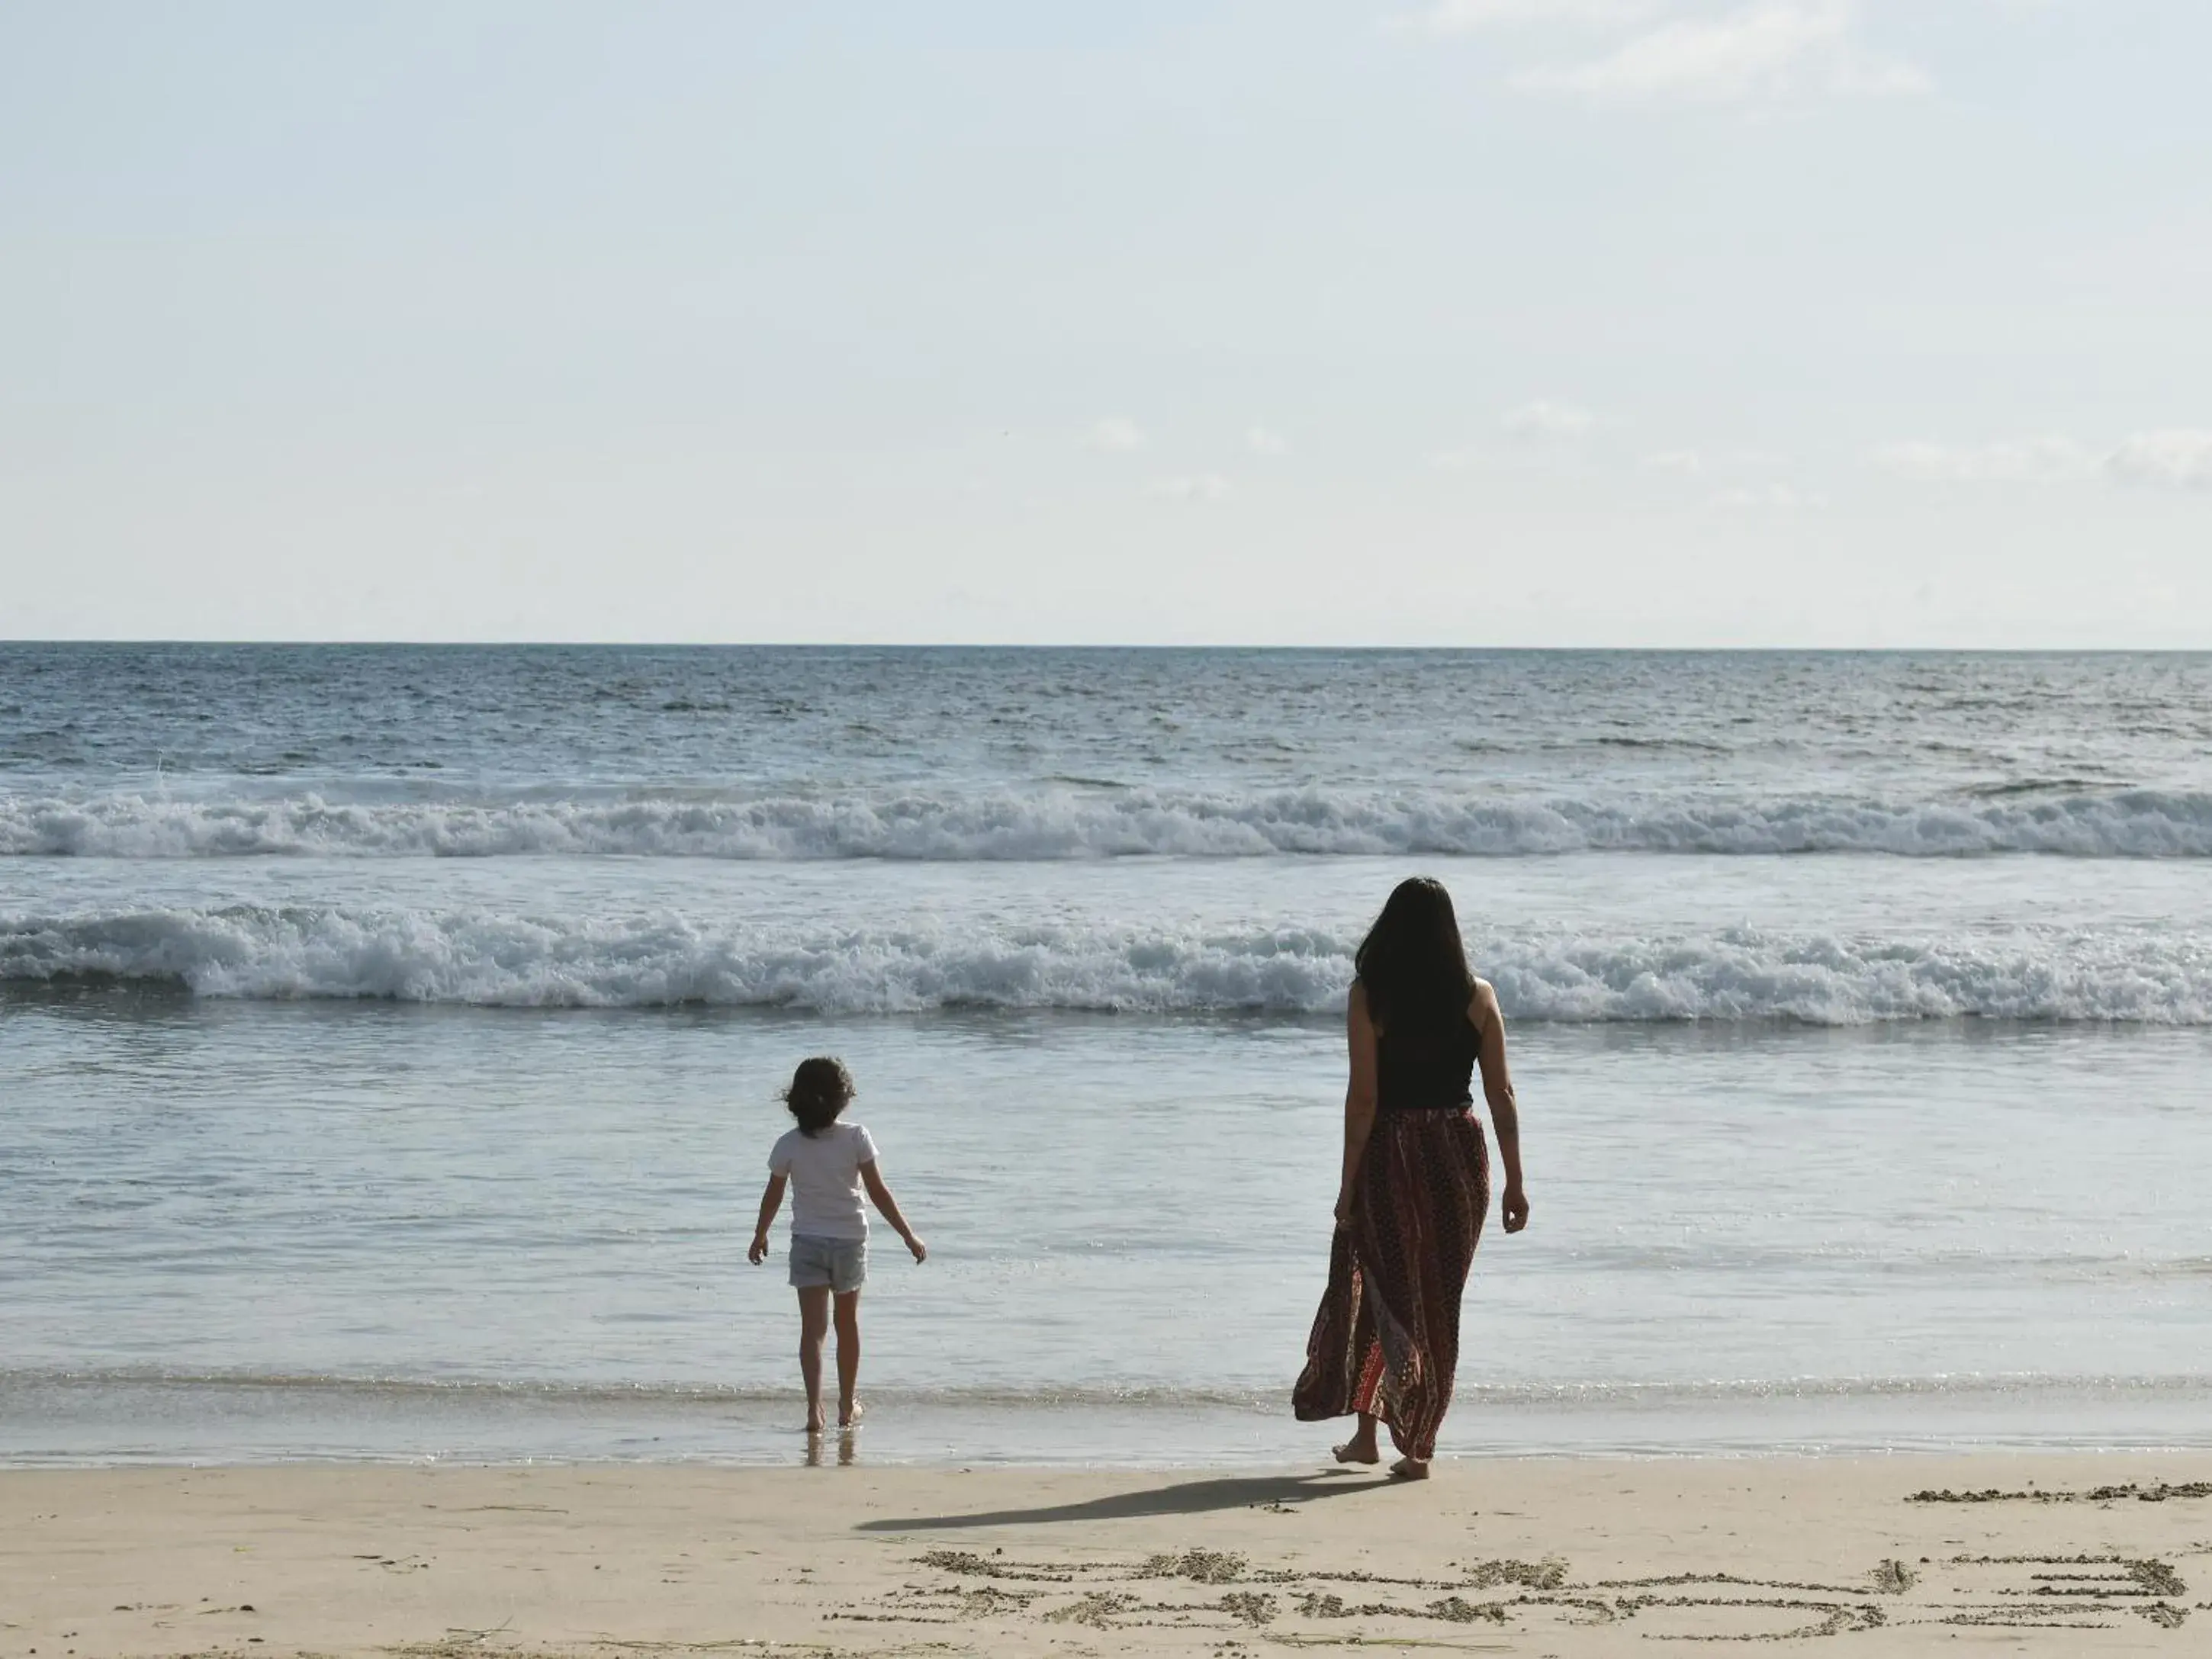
2057, 1554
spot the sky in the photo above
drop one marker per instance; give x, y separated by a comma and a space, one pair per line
1856, 323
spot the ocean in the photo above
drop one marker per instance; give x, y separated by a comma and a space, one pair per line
389, 1040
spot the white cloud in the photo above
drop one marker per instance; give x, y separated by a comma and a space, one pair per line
1467, 16
1699, 463
1261, 441
1768, 50
1197, 487
1706, 463
1546, 421
2176, 459
1116, 435
1771, 498
2180, 460
1545, 434
2026, 461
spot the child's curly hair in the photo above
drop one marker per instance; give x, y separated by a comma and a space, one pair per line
820, 1089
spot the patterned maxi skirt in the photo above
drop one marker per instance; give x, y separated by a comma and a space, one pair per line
1386, 1340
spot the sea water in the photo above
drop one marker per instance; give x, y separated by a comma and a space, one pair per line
389, 1039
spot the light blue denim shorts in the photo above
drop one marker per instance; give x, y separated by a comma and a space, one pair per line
840, 1263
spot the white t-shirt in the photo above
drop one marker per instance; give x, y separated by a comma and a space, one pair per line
826, 1195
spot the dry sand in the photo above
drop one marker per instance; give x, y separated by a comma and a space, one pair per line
1563, 1557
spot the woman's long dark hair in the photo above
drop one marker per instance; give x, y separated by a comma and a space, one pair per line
1414, 964
820, 1089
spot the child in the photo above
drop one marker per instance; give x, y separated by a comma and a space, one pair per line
827, 1164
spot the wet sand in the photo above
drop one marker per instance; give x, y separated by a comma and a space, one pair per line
2057, 1554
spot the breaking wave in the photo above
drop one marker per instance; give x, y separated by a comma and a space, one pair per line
1106, 823
491, 959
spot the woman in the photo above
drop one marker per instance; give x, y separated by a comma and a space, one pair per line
1416, 1181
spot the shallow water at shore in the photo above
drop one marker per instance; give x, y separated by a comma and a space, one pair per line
356, 1229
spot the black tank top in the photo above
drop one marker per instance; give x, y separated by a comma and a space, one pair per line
1432, 1071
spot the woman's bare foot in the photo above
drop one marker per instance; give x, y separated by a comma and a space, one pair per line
816, 1419
1409, 1468
1360, 1448
849, 1414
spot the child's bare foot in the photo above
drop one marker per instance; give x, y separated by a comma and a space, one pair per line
849, 1414
1360, 1448
1409, 1468
816, 1419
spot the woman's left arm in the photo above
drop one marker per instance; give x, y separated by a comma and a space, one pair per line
1358, 1099
1504, 1111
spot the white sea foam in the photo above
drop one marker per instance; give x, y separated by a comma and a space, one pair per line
504, 960
1078, 823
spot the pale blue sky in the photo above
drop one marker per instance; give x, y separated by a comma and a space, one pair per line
1487, 322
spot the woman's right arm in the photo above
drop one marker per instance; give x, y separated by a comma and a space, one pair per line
1358, 1099
1504, 1110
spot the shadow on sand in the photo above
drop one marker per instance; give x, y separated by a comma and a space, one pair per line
1179, 1497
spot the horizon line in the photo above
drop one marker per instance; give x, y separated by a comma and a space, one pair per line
1309, 647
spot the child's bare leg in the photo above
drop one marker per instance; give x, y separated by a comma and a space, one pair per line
1361, 1447
849, 1358
813, 1327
